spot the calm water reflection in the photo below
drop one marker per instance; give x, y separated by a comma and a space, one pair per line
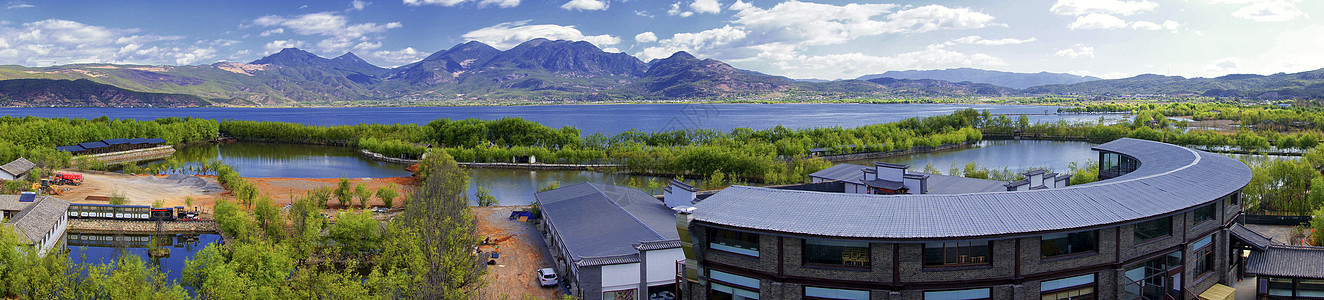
104, 248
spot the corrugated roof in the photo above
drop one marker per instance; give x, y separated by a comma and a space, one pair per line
1169, 179
156, 140
74, 148
843, 172
18, 166
1287, 261
943, 184
92, 145
115, 141
1255, 239
597, 220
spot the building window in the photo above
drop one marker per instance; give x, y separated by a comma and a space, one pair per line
1279, 286
1153, 229
619, 295
971, 294
1068, 243
1205, 213
1074, 288
836, 253
734, 241
1234, 199
727, 286
956, 253
830, 293
1204, 255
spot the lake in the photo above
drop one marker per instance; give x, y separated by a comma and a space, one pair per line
516, 187
607, 118
104, 248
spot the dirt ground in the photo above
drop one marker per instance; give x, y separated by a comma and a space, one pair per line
138, 189
283, 190
522, 254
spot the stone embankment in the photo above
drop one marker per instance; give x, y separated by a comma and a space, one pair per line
143, 226
383, 158
539, 166
133, 155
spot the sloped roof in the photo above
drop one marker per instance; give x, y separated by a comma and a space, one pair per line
39, 217
1287, 261
18, 166
1255, 239
937, 184
1170, 179
74, 148
843, 172
596, 221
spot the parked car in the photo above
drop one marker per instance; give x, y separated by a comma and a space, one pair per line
547, 277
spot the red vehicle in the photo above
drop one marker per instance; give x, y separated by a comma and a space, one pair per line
68, 178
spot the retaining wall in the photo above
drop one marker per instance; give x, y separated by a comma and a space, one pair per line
537, 166
133, 155
143, 226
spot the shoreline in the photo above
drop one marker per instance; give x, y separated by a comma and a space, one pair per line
884, 101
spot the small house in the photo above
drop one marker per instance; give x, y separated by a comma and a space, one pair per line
17, 169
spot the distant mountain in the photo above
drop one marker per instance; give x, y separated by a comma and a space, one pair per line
446, 65
684, 76
909, 88
1007, 79
83, 92
1308, 84
574, 59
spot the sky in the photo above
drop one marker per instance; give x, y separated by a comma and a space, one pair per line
818, 39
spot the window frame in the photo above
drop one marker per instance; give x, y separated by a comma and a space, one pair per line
804, 292
1135, 230
1204, 257
867, 247
1094, 246
1198, 218
988, 261
712, 241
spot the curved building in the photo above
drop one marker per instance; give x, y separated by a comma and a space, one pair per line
1155, 227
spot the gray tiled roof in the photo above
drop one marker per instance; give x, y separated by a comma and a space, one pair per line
1287, 261
597, 220
40, 217
943, 184
1170, 179
18, 166
844, 172
1255, 239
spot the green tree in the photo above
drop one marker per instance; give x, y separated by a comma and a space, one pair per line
485, 197
344, 192
433, 241
1317, 223
363, 194
355, 232
388, 195
550, 186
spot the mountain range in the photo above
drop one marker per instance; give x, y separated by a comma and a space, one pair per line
542, 70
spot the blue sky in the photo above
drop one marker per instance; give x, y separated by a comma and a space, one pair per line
800, 39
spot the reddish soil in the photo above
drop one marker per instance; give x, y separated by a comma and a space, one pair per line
515, 274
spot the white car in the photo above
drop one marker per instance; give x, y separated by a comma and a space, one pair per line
547, 277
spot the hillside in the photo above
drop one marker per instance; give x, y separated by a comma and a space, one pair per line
1277, 86
999, 78
83, 92
684, 76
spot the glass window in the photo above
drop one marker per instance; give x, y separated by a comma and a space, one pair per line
1067, 243
1153, 229
1280, 286
970, 294
837, 253
619, 295
956, 253
723, 292
1204, 255
1234, 199
738, 280
734, 241
1310, 288
1205, 213
828, 293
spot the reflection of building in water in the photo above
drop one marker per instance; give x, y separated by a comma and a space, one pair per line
39, 221
82, 239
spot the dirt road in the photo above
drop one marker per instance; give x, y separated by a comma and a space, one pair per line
522, 254
143, 189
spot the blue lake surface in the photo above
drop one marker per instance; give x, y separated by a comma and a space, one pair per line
110, 246
606, 119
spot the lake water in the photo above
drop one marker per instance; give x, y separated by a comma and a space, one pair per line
105, 248
1019, 156
607, 119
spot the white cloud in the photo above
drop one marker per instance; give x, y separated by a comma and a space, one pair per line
1291, 51
676, 11
697, 42
1224, 65
277, 45
18, 4
977, 40
510, 34
850, 65
646, 37
585, 5
499, 3
1117, 7
808, 24
358, 4
271, 32
433, 2
53, 41
1266, 10
1097, 21
1146, 25
740, 5
706, 6
399, 57
340, 33
1077, 52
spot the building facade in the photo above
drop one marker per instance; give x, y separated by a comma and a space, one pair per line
1153, 230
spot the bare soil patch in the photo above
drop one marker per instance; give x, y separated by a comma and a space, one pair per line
523, 252
144, 189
